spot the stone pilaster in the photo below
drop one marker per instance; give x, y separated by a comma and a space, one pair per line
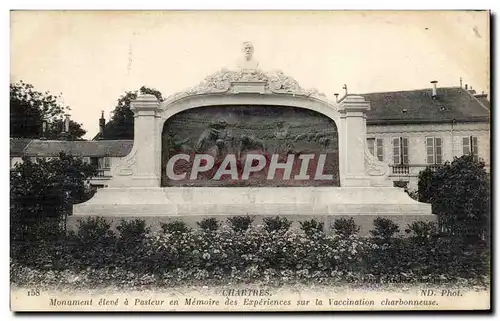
146, 108
352, 142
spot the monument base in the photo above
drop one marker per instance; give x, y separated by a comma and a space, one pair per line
191, 204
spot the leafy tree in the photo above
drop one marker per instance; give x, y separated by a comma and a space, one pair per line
55, 128
121, 125
40, 191
29, 108
460, 194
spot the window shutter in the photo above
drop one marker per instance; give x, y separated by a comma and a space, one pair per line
404, 142
466, 146
474, 149
380, 149
430, 150
371, 145
439, 150
396, 151
107, 162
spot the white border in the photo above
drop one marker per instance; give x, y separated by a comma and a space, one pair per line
189, 5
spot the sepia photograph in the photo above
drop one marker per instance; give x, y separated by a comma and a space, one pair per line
250, 161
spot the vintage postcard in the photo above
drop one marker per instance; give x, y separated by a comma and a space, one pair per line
250, 161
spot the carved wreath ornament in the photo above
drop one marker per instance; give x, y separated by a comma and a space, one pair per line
223, 80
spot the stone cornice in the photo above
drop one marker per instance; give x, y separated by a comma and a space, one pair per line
379, 129
388, 122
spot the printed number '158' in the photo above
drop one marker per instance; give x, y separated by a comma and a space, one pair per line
34, 292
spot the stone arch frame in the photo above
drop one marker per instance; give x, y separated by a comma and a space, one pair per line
169, 109
142, 167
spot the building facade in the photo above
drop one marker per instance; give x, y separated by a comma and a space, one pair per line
419, 128
99, 153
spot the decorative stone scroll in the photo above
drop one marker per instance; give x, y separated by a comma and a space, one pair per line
374, 167
128, 167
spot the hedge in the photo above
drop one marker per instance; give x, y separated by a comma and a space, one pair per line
97, 256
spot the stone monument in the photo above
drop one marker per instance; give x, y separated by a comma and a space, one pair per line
271, 125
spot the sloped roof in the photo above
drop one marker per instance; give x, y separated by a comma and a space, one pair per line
483, 99
418, 106
96, 148
17, 146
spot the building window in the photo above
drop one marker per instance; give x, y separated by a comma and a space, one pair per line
104, 162
434, 150
400, 150
376, 147
400, 184
469, 145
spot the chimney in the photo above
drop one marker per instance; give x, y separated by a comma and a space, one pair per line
64, 135
66, 123
434, 89
481, 95
345, 89
102, 123
466, 86
336, 97
44, 130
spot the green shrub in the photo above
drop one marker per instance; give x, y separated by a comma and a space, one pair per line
208, 224
384, 228
94, 229
175, 227
164, 259
312, 227
277, 224
422, 231
460, 194
132, 230
240, 223
345, 227
42, 191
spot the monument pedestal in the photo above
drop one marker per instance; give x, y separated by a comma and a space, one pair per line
191, 204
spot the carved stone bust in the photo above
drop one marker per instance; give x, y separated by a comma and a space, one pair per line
247, 63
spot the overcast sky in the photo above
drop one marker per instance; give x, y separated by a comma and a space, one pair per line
94, 57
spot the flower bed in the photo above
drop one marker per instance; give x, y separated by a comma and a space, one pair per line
97, 257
